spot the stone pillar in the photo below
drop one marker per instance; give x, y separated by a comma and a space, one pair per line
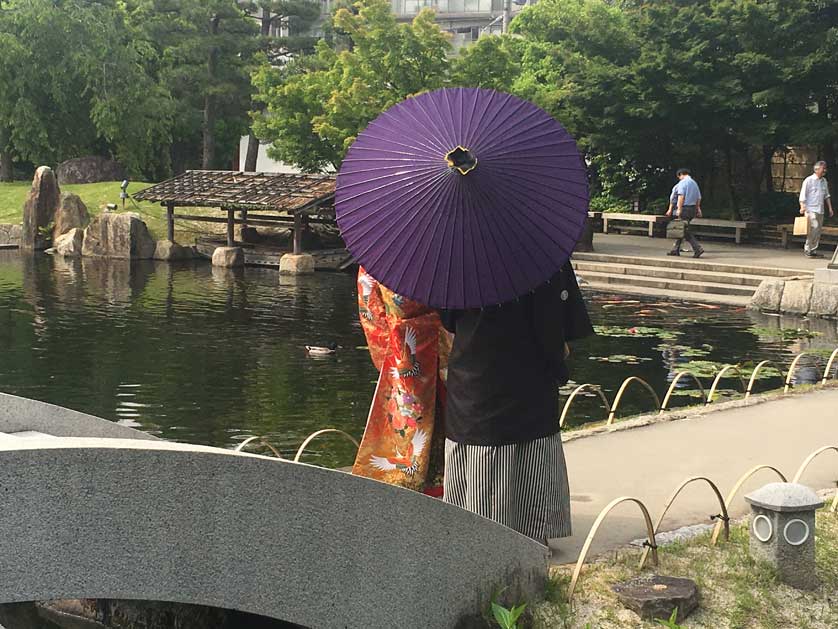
296, 264
783, 531
39, 210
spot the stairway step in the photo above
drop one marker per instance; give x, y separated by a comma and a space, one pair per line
738, 279
713, 288
689, 264
728, 300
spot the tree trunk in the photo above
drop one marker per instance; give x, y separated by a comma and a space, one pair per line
252, 156
209, 101
768, 151
734, 198
7, 172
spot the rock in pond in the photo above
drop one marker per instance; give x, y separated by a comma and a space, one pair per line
170, 251
124, 236
72, 213
70, 244
228, 257
39, 210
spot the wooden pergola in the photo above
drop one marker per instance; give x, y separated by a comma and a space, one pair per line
286, 198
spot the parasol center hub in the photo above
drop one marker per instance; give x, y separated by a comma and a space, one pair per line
461, 159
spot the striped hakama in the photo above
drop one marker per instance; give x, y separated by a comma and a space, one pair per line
521, 485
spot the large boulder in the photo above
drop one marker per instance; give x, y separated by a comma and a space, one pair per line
170, 251
90, 169
296, 264
797, 295
824, 300
112, 235
39, 210
72, 213
70, 244
10, 234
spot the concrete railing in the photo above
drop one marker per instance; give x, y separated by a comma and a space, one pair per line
153, 520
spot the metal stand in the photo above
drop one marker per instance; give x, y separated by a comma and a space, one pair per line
834, 263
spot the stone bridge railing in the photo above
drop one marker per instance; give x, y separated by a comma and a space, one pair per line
140, 519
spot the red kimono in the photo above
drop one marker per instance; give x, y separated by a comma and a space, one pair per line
404, 439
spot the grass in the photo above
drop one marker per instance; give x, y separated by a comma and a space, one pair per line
736, 592
97, 195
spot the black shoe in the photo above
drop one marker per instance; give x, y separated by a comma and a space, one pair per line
698, 253
674, 253
815, 254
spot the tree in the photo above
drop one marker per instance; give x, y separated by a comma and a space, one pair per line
295, 17
204, 49
317, 105
74, 82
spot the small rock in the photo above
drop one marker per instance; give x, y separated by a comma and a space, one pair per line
656, 596
10, 234
170, 251
72, 213
228, 257
70, 244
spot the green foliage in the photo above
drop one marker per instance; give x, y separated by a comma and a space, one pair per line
608, 203
671, 622
317, 105
74, 81
648, 87
507, 618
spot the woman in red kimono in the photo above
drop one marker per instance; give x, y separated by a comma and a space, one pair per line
403, 443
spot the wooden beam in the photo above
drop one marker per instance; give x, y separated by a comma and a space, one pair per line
299, 226
231, 235
170, 221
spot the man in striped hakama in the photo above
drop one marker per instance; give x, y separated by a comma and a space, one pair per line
503, 450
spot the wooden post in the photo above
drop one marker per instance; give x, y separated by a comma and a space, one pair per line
231, 236
244, 222
298, 233
170, 221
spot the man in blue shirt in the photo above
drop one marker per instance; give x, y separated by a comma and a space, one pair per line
686, 202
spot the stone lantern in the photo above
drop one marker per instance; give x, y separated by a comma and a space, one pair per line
783, 531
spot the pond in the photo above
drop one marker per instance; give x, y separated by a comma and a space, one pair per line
211, 356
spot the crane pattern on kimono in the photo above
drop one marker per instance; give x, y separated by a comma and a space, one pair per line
408, 462
407, 366
367, 284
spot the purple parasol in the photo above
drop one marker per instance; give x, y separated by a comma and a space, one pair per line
462, 198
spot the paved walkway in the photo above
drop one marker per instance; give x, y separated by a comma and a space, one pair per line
649, 462
718, 252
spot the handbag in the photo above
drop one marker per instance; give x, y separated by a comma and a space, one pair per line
676, 228
801, 226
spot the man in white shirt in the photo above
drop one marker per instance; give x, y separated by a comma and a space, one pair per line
813, 193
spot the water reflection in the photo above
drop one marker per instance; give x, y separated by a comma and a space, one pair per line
197, 353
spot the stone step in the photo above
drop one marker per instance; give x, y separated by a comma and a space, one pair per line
739, 279
688, 263
728, 300
713, 288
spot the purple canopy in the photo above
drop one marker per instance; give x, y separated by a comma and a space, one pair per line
462, 198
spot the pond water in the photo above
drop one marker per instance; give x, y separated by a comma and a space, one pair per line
212, 356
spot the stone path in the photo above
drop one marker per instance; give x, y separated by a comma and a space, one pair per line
716, 252
649, 462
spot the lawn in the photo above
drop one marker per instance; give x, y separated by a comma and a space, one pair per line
97, 195
735, 591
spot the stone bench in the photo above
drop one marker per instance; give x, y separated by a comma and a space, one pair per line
829, 236
721, 228
648, 221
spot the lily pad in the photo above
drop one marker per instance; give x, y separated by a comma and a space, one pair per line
627, 359
784, 334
